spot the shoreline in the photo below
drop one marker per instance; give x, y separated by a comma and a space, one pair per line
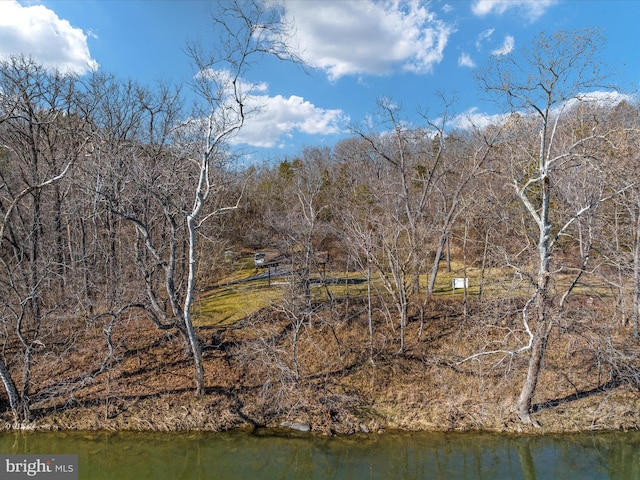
339, 389
165, 415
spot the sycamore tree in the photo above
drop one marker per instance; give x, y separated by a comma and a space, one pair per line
542, 87
247, 31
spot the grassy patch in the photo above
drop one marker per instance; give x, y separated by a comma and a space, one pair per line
228, 305
240, 297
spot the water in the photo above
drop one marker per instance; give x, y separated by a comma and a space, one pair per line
242, 455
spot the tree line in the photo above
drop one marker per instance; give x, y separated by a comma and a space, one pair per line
116, 200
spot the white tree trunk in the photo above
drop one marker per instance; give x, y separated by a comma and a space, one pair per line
12, 392
636, 277
194, 343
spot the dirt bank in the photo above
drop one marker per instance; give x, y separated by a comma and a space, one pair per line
336, 382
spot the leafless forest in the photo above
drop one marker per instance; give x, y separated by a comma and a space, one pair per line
118, 202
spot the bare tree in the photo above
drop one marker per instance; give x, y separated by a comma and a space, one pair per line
541, 86
622, 249
422, 176
42, 135
359, 206
246, 32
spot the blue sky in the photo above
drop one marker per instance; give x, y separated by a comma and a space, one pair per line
357, 52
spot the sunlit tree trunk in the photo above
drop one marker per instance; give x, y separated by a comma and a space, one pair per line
541, 82
636, 274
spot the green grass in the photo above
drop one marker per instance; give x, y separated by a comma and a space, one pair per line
231, 302
227, 305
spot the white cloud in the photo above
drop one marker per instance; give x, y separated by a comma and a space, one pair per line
277, 118
601, 98
270, 119
532, 9
506, 48
38, 32
226, 79
348, 37
465, 60
472, 119
484, 35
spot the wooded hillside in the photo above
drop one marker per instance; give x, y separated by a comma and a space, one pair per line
119, 208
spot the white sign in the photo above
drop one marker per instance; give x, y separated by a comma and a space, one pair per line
460, 283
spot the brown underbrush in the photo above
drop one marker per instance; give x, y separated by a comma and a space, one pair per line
458, 372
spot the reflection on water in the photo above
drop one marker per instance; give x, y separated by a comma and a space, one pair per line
241, 455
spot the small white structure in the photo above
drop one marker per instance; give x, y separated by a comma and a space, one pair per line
259, 259
460, 283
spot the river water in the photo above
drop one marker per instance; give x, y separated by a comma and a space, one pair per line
392, 455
